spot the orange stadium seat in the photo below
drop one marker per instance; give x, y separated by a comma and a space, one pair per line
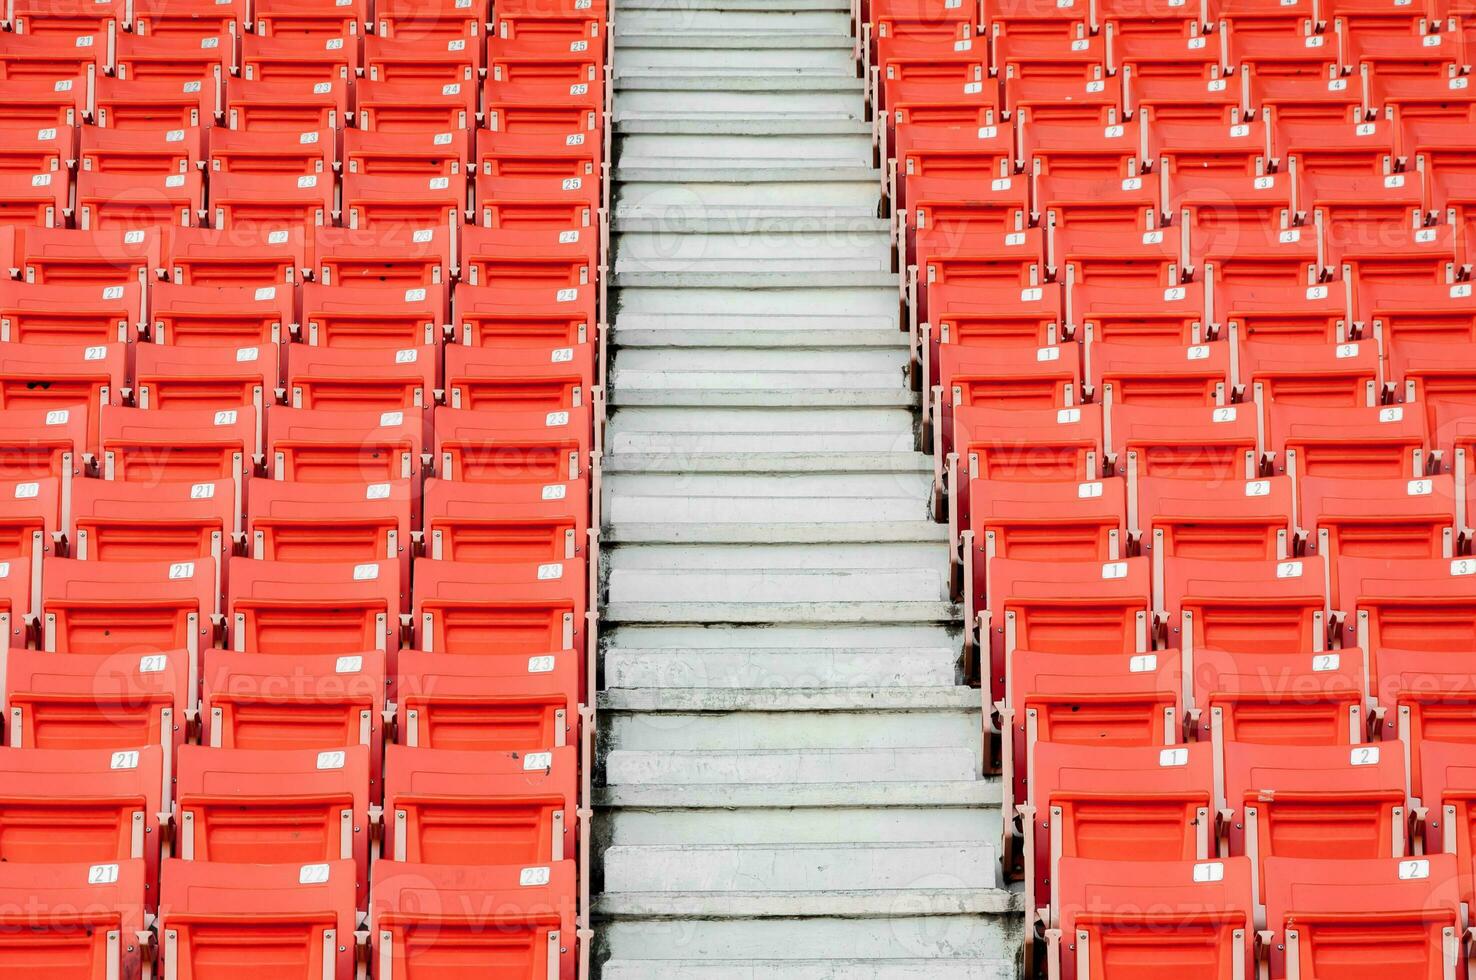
317, 446
123, 607
446, 921
188, 445
33, 519
224, 316
234, 151
486, 317
1197, 918
1252, 519
249, 256
1086, 699
1271, 697
1361, 919
75, 918
503, 608
1119, 803
512, 446
348, 522
317, 607
402, 257
295, 701
61, 257
351, 379
488, 703
1209, 602
71, 313
215, 916
102, 806
470, 522
273, 806
450, 807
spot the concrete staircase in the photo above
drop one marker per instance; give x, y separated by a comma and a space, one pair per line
789, 773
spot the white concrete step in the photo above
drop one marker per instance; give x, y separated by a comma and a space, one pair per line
789, 775
739, 5
800, 867
722, 104
756, 151
682, 20
679, 297
736, 330
765, 668
764, 585
800, 191
754, 723
649, 52
761, 249
854, 947
749, 376
781, 825
776, 489
838, 968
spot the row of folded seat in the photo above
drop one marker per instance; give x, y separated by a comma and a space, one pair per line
299, 441
415, 100
1191, 311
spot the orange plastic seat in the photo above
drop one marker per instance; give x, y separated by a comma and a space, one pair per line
81, 314
447, 153
232, 318
372, 316
451, 807
400, 257
458, 922
182, 446
526, 702
65, 257
485, 317
317, 701
523, 380
1063, 607
225, 917
70, 920
483, 607
1198, 920
250, 256
173, 378
515, 258
512, 446
337, 522
113, 520
33, 514
102, 806
351, 379
1337, 803
1234, 519
318, 607
255, 153
1365, 919
1240, 605
127, 607
1086, 699
512, 523
1117, 803
317, 446
1407, 604
1206, 443
1270, 697
1423, 696
1388, 518
36, 443
274, 806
